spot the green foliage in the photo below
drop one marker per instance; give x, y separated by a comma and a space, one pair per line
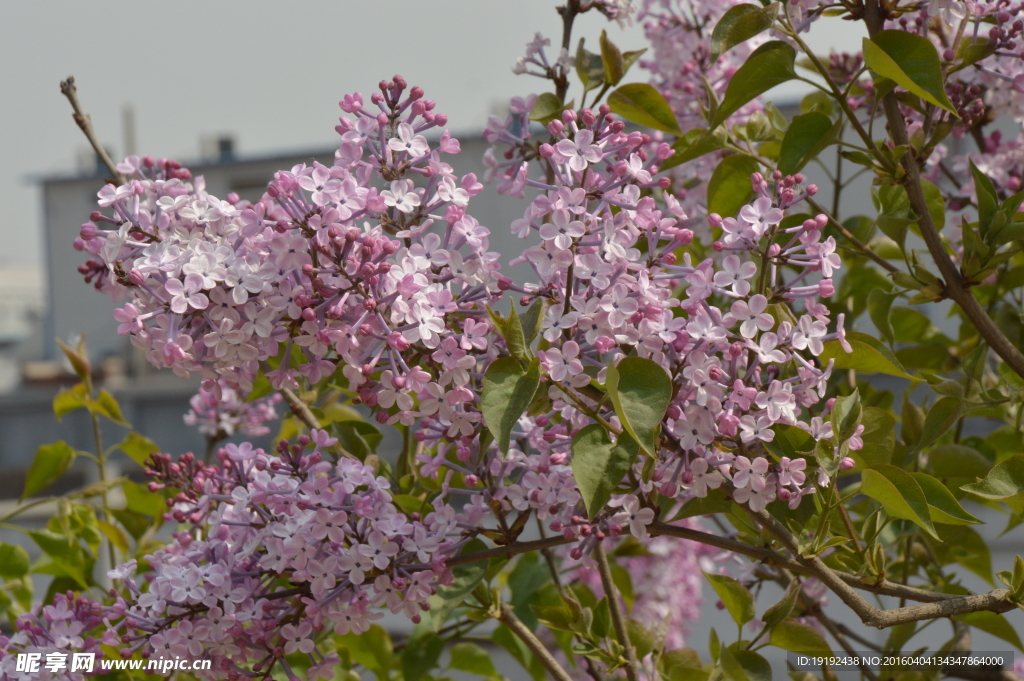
49, 464
1005, 483
737, 598
508, 392
694, 144
729, 186
598, 464
869, 356
739, 24
911, 61
899, 493
466, 578
808, 135
769, 65
799, 638
641, 391
642, 104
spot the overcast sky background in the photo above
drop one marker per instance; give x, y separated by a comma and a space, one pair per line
268, 73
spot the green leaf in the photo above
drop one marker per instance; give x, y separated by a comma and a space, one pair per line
941, 417
899, 493
1005, 483
958, 461
511, 330
781, 610
48, 465
115, 535
508, 391
546, 109
641, 391
611, 56
745, 665
911, 61
589, 67
739, 24
985, 191
879, 305
79, 359
531, 321
108, 406
799, 638
846, 415
641, 638
807, 136
994, 624
469, 657
465, 579
974, 50
14, 561
65, 553
737, 598
869, 355
138, 447
372, 649
141, 500
729, 186
71, 399
642, 104
598, 464
942, 505
962, 545
694, 144
879, 437
769, 65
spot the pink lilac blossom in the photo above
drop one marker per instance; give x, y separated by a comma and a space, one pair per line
387, 291
222, 413
667, 581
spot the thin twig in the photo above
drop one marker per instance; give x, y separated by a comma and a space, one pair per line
995, 601
68, 89
516, 626
615, 609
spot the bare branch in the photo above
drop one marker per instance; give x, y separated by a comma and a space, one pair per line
515, 625
615, 609
68, 89
995, 601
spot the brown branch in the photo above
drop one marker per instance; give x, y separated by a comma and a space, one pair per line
996, 601
68, 89
615, 609
516, 626
955, 287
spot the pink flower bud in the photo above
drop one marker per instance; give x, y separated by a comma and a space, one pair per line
826, 289
846, 464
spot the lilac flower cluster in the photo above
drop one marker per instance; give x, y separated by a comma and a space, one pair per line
56, 632
292, 544
221, 413
385, 290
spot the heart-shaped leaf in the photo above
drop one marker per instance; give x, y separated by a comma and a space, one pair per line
508, 391
641, 391
598, 464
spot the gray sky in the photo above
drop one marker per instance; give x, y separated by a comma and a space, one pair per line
270, 74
